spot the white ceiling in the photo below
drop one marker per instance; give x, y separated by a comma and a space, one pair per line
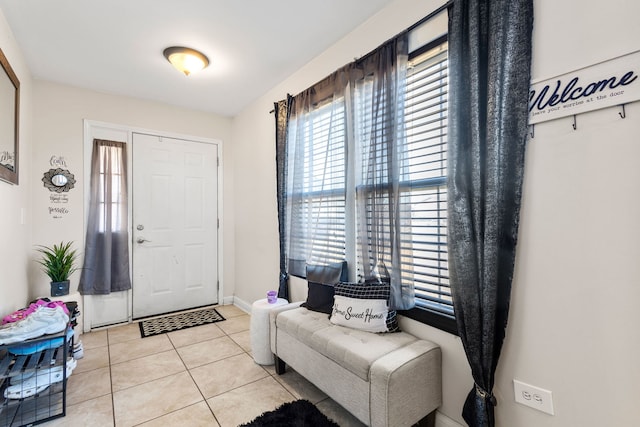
115, 46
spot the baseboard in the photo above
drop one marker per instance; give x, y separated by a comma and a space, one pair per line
242, 305
444, 421
441, 419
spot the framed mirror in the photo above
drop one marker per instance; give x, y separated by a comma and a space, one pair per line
9, 122
59, 180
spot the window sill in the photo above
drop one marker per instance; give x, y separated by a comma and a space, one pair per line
431, 318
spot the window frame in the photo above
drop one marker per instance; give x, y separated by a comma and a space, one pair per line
431, 317
115, 181
310, 196
421, 314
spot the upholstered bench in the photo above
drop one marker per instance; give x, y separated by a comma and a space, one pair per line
391, 379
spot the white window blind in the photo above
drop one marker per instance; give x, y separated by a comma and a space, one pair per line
424, 260
318, 199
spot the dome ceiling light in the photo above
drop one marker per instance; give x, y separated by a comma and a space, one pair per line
186, 60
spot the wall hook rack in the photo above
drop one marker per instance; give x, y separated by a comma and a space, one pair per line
575, 126
622, 114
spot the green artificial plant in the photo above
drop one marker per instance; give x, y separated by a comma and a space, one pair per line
58, 261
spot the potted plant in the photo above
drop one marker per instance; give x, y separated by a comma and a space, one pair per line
58, 262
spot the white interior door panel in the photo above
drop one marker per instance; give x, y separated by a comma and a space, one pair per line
175, 231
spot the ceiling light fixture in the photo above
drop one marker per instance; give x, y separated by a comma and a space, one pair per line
186, 60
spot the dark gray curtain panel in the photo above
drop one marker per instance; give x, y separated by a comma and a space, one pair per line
281, 112
489, 63
106, 256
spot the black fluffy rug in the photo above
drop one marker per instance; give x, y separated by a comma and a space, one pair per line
300, 413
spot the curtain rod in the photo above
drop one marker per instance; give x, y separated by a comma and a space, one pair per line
412, 27
431, 15
409, 29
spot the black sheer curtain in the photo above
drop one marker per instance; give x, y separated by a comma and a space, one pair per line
489, 62
339, 140
281, 111
383, 151
316, 162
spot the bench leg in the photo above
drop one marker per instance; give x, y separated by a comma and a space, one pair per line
281, 367
428, 421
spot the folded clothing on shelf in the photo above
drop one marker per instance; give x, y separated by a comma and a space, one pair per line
22, 314
43, 320
33, 347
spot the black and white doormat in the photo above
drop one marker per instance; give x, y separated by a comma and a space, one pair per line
175, 322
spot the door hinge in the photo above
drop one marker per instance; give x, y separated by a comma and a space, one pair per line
218, 221
218, 161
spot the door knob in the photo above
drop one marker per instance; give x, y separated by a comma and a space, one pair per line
142, 240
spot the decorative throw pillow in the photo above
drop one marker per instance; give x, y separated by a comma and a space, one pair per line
320, 281
319, 297
364, 306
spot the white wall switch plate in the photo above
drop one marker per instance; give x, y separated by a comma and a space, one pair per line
534, 397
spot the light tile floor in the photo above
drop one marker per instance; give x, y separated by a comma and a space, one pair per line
202, 376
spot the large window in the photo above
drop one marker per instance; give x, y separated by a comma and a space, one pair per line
317, 188
331, 206
110, 180
425, 258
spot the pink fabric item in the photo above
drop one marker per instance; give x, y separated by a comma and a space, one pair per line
53, 304
19, 314
23, 313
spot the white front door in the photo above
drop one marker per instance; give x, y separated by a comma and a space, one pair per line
175, 224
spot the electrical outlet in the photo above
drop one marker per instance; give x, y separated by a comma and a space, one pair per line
534, 397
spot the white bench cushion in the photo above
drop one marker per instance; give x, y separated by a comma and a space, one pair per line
353, 349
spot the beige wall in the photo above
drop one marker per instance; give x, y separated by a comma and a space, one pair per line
579, 237
58, 131
579, 226
579, 233
15, 233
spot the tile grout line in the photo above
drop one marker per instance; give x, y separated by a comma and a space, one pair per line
113, 401
225, 334
193, 379
230, 333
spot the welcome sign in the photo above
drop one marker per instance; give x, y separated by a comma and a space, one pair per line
610, 83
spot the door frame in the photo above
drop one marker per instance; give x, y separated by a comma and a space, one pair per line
123, 304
